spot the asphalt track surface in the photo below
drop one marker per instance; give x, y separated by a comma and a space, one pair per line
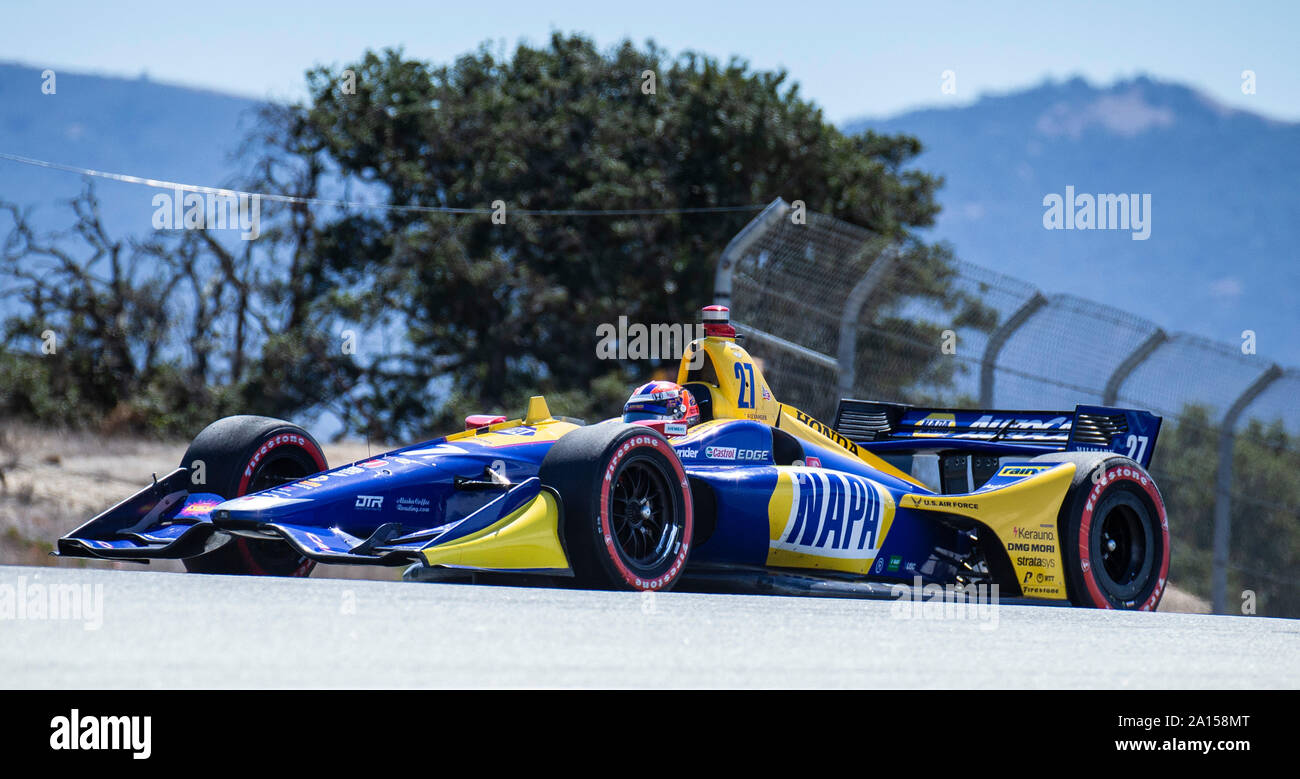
163, 630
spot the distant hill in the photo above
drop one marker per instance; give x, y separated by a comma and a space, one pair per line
1222, 254
121, 125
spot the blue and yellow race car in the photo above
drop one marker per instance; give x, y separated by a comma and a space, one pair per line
748, 493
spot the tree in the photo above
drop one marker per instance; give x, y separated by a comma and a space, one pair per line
493, 312
1265, 544
162, 334
96, 318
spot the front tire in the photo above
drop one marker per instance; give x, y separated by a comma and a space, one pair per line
627, 515
1114, 533
245, 454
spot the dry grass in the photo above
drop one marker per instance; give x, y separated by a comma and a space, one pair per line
52, 481
1184, 602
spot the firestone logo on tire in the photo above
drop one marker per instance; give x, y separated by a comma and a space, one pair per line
628, 576
283, 438
622, 450
654, 584
1139, 476
1123, 472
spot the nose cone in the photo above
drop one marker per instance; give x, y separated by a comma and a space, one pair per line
335, 494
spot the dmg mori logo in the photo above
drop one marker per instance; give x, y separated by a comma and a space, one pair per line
370, 502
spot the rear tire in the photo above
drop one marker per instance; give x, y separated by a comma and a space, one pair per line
627, 515
1114, 533
245, 454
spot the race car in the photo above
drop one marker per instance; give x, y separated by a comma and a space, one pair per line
746, 493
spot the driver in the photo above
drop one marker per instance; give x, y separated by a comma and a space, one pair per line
664, 405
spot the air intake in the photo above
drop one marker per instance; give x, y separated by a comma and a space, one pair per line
1098, 429
864, 420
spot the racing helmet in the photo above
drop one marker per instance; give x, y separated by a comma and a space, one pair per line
662, 401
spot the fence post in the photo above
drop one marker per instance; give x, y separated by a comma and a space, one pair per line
1223, 485
998, 340
741, 243
848, 341
811, 355
1110, 395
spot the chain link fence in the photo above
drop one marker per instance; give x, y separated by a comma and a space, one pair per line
833, 311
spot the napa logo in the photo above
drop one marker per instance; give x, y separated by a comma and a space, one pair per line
935, 425
829, 515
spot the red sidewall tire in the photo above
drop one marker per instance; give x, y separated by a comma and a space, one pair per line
233, 450
613, 553
584, 468
1116, 474
288, 438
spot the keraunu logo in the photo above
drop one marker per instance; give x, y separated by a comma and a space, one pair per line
104, 732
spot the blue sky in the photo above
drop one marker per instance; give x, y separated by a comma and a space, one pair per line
854, 59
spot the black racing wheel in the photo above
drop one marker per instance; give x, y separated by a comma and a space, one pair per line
244, 454
627, 515
1114, 533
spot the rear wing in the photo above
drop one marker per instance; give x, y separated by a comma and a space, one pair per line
1129, 432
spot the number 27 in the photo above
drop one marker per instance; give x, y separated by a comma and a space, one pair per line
745, 372
1137, 447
